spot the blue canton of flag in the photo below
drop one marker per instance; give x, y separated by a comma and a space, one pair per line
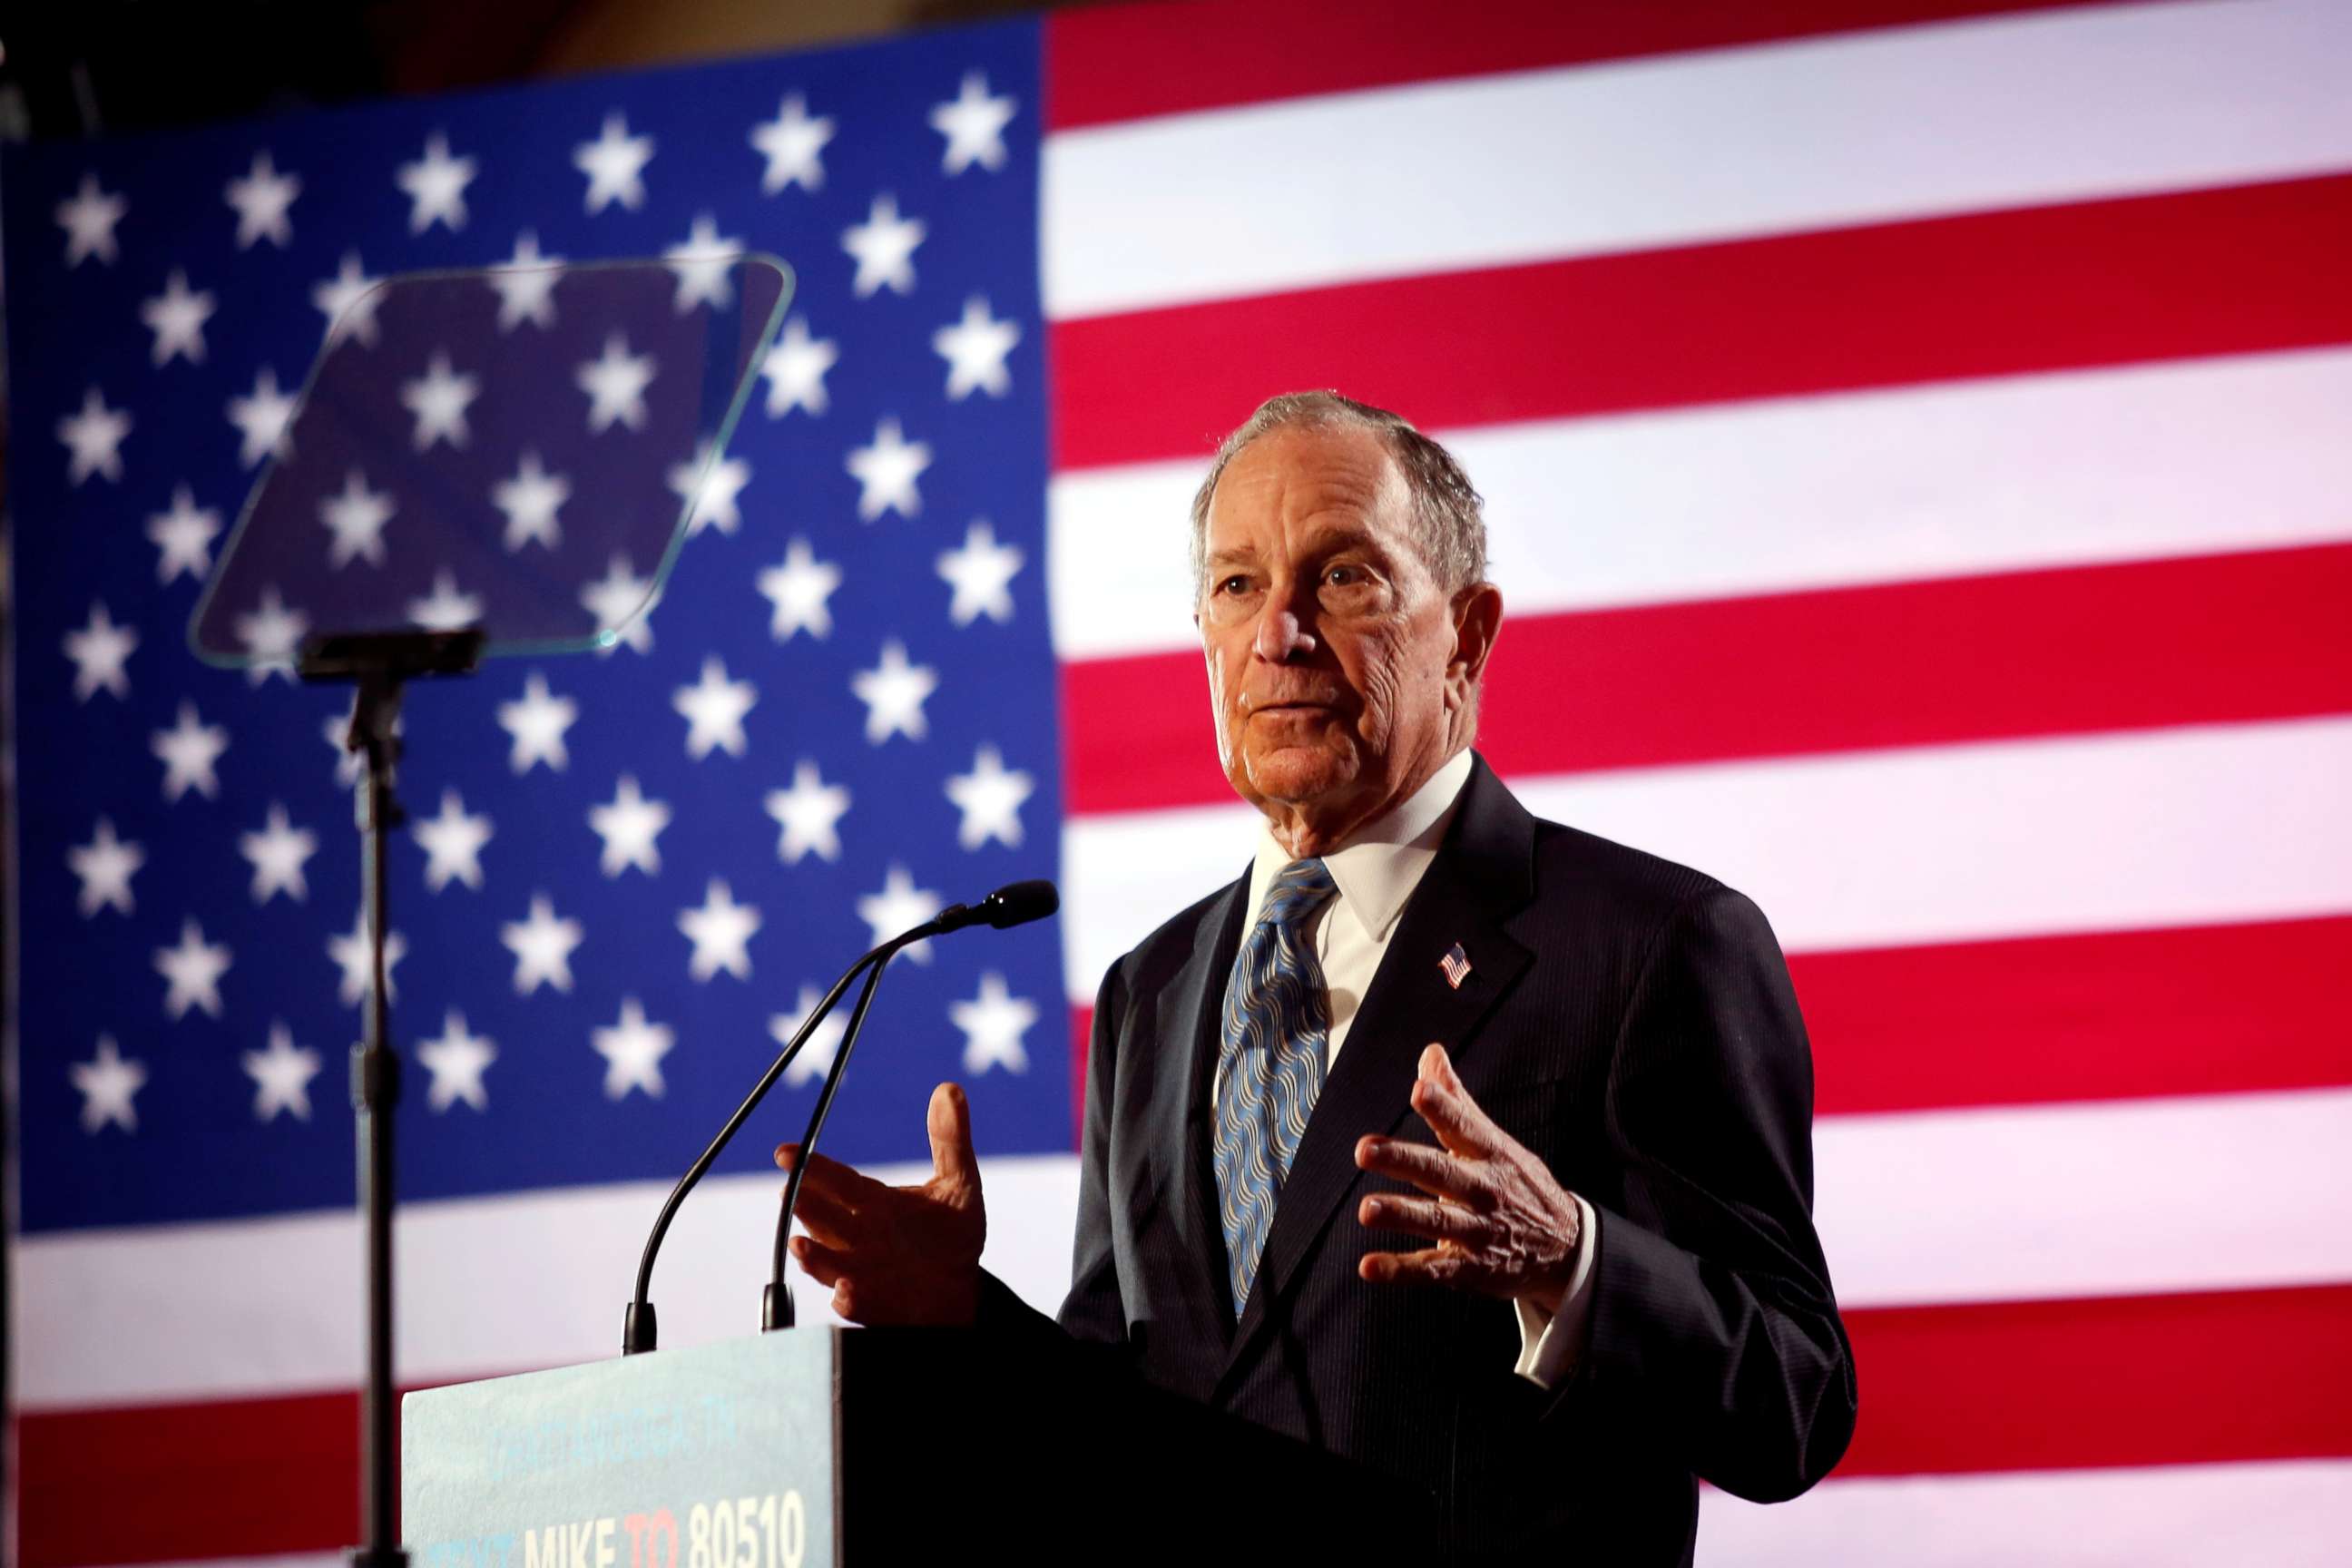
626, 875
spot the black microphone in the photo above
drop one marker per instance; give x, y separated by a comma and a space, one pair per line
1014, 904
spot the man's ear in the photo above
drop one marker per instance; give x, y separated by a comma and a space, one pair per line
1477, 621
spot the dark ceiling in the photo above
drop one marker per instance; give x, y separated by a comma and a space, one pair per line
112, 66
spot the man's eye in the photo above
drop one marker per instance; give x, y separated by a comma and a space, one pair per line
1234, 585
1344, 576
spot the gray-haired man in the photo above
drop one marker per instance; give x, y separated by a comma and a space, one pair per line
1473, 1147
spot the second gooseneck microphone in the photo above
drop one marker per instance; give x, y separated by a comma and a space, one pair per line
1016, 903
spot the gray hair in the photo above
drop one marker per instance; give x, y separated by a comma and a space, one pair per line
1446, 509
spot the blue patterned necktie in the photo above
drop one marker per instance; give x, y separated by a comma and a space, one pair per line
1271, 1062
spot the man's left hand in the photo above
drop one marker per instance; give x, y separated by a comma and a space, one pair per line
1502, 1226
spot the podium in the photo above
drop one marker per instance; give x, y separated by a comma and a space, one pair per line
871, 1446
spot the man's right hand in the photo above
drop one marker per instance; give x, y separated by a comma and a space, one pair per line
897, 1255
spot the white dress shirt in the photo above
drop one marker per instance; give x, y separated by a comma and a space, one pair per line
1374, 873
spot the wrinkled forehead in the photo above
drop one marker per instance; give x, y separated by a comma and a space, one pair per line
1299, 483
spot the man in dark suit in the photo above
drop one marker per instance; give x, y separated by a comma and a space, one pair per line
1472, 1147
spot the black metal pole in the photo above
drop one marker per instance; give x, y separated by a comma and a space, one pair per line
377, 663
376, 1092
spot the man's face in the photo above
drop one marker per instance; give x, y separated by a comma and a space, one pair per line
1329, 642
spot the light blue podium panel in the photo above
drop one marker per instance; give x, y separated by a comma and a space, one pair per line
722, 1457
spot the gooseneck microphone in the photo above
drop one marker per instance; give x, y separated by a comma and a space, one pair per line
1016, 903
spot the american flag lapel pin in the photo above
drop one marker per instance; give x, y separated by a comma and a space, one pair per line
1456, 964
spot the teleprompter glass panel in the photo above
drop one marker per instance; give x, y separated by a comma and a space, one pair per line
516, 449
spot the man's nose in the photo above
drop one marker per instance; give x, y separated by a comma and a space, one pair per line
1283, 632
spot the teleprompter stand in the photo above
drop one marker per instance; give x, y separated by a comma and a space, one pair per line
376, 521
379, 664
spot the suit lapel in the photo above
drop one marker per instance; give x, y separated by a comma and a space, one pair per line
1180, 1115
1482, 876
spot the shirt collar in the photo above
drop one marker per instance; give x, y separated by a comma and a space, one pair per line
1381, 863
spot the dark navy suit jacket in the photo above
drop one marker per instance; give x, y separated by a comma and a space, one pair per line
1632, 1022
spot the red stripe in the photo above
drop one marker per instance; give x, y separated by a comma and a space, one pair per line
2199, 640
2208, 272
158, 1482
2143, 1380
2109, 1015
2133, 1380
1126, 62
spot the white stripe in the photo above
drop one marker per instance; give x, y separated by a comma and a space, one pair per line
1999, 475
2012, 1203
2287, 1514
1866, 127
2026, 1203
2181, 827
486, 1286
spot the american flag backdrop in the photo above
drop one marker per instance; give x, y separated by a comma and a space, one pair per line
1918, 440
